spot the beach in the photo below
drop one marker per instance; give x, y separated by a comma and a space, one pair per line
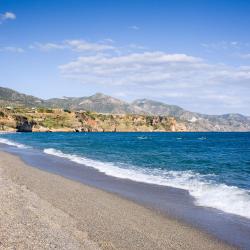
40, 210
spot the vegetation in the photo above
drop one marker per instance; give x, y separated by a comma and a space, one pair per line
43, 119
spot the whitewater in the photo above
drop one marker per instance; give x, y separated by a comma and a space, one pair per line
229, 199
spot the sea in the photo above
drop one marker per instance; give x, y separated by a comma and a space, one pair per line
212, 167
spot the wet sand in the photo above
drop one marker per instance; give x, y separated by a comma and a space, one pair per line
40, 210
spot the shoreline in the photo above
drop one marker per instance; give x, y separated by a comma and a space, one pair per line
108, 220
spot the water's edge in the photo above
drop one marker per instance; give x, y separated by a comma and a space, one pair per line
179, 204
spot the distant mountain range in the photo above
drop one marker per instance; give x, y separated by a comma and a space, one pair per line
101, 103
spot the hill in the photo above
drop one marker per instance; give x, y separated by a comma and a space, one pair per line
12, 97
196, 121
105, 104
96, 103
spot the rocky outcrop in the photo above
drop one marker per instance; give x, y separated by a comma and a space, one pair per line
23, 124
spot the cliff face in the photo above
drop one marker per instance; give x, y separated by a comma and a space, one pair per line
42, 120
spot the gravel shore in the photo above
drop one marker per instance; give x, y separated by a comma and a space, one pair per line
40, 210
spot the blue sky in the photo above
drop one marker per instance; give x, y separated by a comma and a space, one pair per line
195, 54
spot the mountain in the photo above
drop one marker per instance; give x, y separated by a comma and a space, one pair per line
196, 121
104, 104
98, 103
12, 97
159, 108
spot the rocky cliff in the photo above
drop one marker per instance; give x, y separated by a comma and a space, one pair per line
45, 120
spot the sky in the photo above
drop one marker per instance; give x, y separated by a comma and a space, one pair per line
191, 53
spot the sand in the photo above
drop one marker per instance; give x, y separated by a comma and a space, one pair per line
40, 210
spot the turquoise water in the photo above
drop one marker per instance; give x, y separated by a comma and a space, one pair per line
213, 167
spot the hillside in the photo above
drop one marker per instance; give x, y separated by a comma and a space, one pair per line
195, 121
159, 108
12, 97
97, 103
104, 104
45, 120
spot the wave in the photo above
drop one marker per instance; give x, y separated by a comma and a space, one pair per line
202, 138
142, 137
11, 143
229, 199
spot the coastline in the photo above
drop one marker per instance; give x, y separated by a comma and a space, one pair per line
85, 216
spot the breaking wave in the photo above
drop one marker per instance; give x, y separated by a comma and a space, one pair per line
229, 199
11, 143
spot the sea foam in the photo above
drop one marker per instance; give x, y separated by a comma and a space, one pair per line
11, 143
229, 199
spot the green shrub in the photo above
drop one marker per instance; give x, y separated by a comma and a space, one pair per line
67, 111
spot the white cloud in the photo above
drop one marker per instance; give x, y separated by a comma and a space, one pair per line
81, 45
75, 45
135, 68
144, 67
47, 46
7, 16
12, 49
